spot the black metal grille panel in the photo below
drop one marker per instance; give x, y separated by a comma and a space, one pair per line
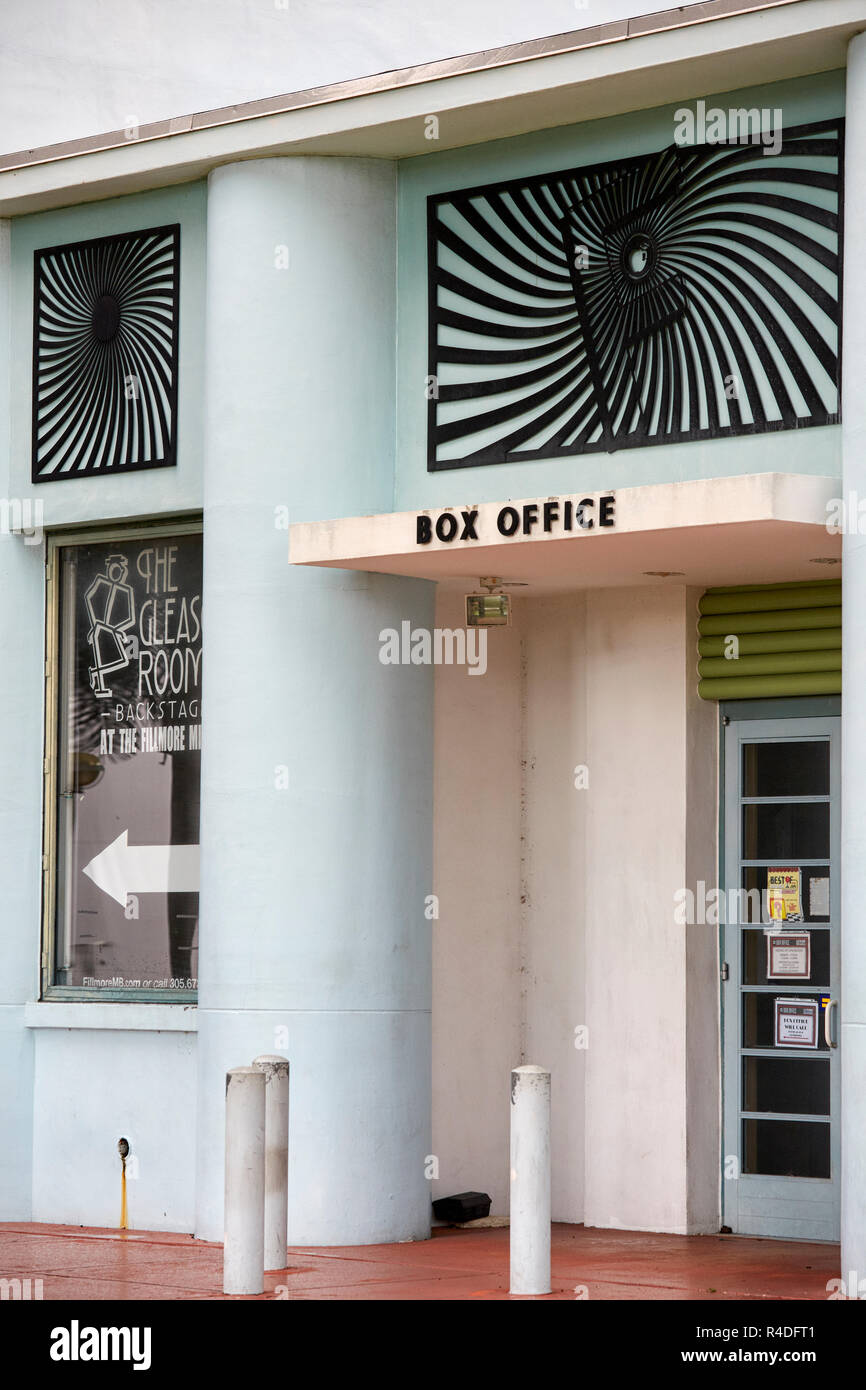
105, 354
689, 294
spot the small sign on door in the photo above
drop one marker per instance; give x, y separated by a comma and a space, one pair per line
789, 955
796, 1022
784, 896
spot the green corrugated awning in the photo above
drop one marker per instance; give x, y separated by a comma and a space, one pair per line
763, 641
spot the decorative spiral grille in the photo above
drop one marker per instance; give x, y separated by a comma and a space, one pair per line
688, 294
105, 354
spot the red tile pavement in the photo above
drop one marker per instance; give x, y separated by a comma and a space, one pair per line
77, 1262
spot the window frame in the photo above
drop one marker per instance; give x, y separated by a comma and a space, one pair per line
56, 543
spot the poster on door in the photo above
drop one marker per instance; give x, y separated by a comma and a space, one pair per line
789, 955
784, 896
796, 1023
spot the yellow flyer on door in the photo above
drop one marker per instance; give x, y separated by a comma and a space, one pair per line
784, 895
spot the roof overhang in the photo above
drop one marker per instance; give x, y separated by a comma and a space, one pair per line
680, 54
756, 529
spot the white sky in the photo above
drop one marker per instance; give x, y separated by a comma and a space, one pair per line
77, 67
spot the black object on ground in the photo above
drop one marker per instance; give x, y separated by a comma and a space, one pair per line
465, 1206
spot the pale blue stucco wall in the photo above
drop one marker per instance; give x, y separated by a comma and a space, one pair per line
313, 937
293, 392
81, 1107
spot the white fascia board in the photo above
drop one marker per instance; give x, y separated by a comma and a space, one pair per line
384, 118
358, 542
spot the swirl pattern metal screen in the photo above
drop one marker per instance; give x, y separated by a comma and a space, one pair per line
105, 354
688, 294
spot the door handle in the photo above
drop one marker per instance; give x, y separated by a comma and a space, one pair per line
828, 1031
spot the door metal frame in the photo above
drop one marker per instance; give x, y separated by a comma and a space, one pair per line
780, 719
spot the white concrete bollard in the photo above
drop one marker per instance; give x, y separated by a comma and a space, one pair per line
276, 1072
530, 1180
244, 1240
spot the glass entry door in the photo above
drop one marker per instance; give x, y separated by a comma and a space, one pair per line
780, 997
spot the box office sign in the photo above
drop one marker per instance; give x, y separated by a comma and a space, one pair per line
796, 1022
546, 518
128, 764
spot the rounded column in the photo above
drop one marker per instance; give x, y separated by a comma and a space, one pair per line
316, 812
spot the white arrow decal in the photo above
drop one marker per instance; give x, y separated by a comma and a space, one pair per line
121, 869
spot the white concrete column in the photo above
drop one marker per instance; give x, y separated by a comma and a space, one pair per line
243, 1241
530, 1180
652, 1060
316, 794
852, 1039
276, 1071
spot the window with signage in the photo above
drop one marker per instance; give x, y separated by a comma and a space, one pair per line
123, 765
